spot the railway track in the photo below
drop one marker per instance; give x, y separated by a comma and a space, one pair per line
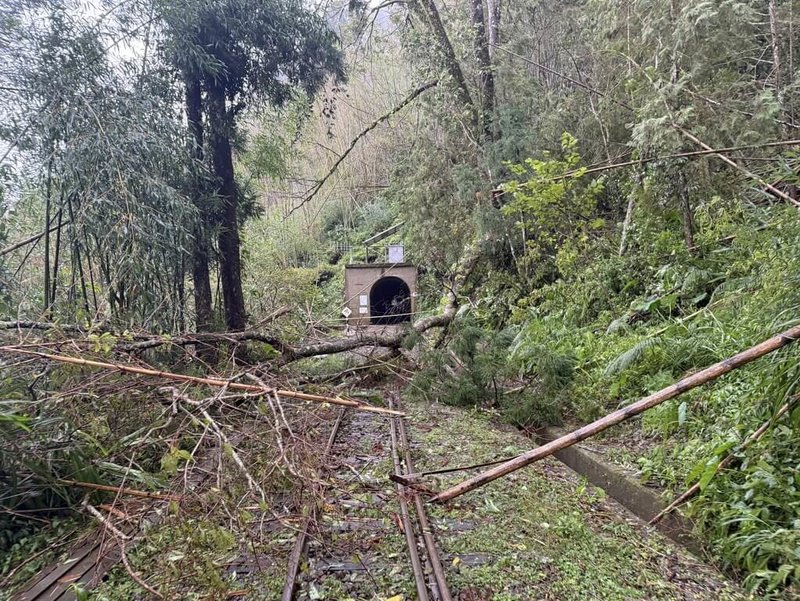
432, 580
335, 538
357, 536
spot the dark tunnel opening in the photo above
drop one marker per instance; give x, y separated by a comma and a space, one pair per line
389, 301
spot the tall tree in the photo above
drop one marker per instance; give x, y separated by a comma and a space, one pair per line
99, 154
200, 243
243, 52
483, 63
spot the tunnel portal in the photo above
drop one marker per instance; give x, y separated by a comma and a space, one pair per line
390, 301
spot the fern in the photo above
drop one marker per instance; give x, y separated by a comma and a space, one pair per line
631, 356
732, 286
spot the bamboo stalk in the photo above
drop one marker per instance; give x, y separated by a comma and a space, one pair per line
120, 490
706, 375
31, 239
291, 394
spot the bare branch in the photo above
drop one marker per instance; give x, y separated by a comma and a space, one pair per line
410, 98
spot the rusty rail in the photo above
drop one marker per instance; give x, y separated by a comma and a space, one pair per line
302, 536
408, 529
424, 524
438, 583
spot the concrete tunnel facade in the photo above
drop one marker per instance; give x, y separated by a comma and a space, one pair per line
379, 293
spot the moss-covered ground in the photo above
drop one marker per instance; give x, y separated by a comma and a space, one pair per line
541, 532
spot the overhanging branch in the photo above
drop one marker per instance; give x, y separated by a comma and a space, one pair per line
318, 186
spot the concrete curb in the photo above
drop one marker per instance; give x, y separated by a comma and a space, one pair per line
643, 502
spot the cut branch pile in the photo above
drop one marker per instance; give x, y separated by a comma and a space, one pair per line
291, 394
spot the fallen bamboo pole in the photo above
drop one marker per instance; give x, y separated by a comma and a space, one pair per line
120, 490
290, 394
695, 488
706, 375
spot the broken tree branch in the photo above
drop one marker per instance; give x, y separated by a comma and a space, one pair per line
678, 155
706, 375
118, 534
747, 173
32, 239
39, 325
291, 394
408, 99
145, 341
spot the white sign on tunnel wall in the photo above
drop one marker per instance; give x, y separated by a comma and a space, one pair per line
363, 300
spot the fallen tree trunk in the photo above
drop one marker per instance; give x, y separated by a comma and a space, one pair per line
706, 375
39, 325
290, 394
289, 353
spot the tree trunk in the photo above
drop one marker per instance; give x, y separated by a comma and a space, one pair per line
47, 205
222, 162
76, 256
494, 8
426, 10
483, 62
54, 281
626, 225
687, 217
776, 52
200, 248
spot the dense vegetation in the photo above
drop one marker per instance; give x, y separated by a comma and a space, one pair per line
626, 173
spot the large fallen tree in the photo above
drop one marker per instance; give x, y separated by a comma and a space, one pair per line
394, 339
697, 379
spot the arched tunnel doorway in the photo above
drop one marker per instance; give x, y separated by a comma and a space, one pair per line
389, 301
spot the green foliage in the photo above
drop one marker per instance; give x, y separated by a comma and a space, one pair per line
469, 371
476, 368
30, 540
677, 317
555, 209
233, 43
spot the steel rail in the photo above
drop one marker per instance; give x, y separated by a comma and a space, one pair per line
413, 552
302, 536
424, 524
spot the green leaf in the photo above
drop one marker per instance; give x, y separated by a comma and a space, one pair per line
708, 474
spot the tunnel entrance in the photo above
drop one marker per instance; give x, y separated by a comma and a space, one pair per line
389, 302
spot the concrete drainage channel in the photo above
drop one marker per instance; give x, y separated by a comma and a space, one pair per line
640, 500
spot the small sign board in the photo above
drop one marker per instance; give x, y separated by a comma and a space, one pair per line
363, 310
396, 253
347, 312
363, 300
